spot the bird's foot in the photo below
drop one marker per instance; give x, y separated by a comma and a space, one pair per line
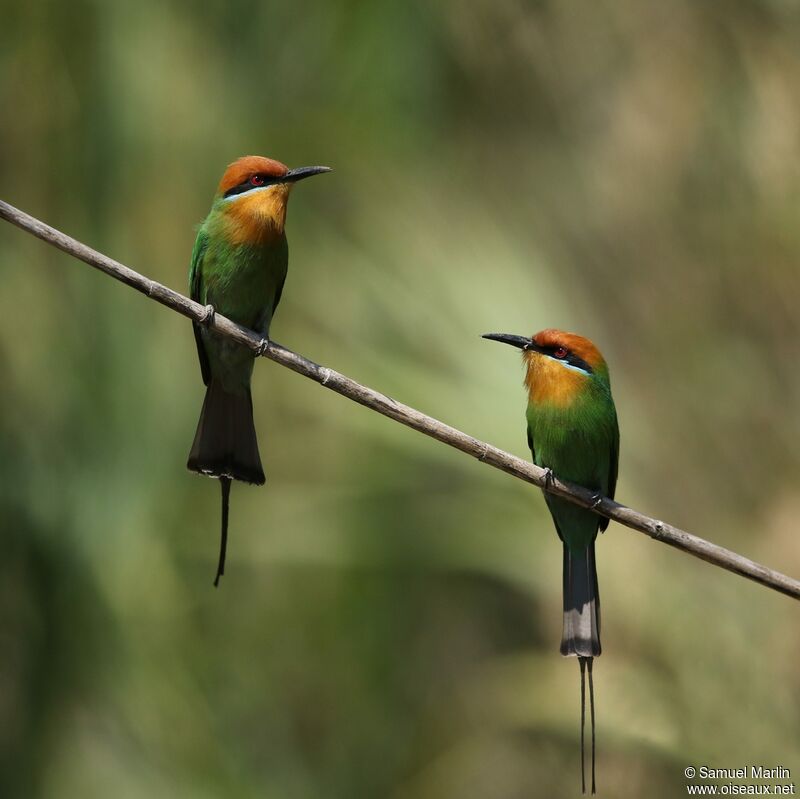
262, 347
207, 319
548, 478
597, 501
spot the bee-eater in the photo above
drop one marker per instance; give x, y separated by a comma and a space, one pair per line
238, 268
573, 433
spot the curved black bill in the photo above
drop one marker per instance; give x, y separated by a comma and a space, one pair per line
523, 342
302, 172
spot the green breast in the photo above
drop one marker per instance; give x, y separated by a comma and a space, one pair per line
243, 282
579, 444
574, 442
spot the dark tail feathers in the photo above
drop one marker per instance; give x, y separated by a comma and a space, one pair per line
225, 444
581, 634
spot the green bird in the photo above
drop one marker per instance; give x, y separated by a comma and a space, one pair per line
238, 269
573, 433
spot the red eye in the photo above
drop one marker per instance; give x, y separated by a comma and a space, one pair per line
257, 180
560, 352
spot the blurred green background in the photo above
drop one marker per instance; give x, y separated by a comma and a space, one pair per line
389, 622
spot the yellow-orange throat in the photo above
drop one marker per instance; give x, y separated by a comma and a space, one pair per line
550, 382
257, 217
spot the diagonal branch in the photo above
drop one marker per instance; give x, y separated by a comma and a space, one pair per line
486, 453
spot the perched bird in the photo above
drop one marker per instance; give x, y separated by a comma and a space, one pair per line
573, 432
238, 268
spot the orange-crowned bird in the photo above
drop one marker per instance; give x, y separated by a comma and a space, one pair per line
573, 433
238, 269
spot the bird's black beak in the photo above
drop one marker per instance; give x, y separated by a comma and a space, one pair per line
523, 342
302, 172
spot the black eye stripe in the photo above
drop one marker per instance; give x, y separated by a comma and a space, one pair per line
571, 359
574, 360
247, 185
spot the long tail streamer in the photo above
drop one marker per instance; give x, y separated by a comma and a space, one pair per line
584, 662
225, 485
591, 709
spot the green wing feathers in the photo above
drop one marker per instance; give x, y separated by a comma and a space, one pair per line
613, 469
196, 293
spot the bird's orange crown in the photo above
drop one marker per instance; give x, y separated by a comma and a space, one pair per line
559, 380
242, 169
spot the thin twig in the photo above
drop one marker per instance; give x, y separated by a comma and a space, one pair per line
339, 383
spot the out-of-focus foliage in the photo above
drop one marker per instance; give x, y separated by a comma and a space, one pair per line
389, 622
